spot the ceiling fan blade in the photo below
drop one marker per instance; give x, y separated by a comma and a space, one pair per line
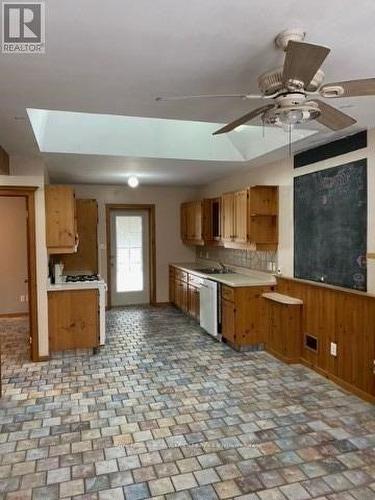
208, 96
302, 61
332, 117
350, 88
243, 119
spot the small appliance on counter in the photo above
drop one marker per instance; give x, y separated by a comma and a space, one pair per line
58, 273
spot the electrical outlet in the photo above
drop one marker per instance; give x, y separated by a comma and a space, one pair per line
333, 349
22, 298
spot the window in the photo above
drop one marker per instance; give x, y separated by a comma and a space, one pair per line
129, 250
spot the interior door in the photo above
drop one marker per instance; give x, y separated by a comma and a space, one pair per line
130, 257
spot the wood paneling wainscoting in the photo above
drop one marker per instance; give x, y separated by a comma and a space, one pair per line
346, 318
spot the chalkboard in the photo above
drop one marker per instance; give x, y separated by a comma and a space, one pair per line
330, 226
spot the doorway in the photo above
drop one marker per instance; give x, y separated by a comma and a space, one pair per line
19, 311
130, 254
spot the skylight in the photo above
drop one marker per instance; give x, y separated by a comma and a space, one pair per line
139, 137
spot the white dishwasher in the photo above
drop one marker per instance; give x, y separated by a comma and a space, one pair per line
209, 308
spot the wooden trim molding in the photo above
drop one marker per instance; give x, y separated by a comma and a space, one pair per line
14, 315
29, 194
152, 247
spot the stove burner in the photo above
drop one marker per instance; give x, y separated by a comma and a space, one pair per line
82, 278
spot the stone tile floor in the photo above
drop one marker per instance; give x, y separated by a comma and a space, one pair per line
164, 411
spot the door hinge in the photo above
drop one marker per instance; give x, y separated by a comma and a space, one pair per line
30, 340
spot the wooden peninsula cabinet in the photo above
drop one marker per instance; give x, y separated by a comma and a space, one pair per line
243, 318
73, 319
284, 328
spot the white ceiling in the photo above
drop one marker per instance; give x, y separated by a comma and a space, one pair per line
114, 57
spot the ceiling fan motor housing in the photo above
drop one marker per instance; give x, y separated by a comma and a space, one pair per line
271, 82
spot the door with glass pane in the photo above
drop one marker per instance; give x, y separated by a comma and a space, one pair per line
130, 280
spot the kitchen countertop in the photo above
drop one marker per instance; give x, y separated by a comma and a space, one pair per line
240, 278
85, 285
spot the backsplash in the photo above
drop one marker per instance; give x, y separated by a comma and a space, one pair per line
257, 260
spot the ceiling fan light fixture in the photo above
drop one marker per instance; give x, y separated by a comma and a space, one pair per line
292, 117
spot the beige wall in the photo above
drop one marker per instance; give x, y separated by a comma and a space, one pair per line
13, 255
282, 173
167, 200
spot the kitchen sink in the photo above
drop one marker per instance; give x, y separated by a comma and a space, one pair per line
212, 270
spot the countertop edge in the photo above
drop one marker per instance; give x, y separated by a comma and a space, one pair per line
251, 281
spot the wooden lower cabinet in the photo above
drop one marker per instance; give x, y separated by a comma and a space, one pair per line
73, 319
284, 330
184, 291
228, 320
181, 295
243, 319
193, 301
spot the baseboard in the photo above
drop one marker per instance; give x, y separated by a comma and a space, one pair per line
14, 315
281, 357
162, 304
43, 358
345, 385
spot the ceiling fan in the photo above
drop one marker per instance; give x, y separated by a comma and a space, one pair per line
292, 88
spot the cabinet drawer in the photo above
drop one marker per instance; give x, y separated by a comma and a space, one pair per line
181, 275
195, 280
227, 293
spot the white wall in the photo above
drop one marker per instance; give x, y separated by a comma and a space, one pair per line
282, 173
13, 255
35, 178
167, 200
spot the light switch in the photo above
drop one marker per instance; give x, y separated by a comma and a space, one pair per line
333, 349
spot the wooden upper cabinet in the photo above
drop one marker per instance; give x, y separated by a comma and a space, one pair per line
227, 217
212, 221
86, 257
241, 212
243, 219
192, 223
61, 224
264, 218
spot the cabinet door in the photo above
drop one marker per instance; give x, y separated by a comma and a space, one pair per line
241, 216
178, 293
190, 216
228, 320
60, 219
86, 257
184, 300
193, 301
73, 319
183, 221
227, 208
198, 216
172, 285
